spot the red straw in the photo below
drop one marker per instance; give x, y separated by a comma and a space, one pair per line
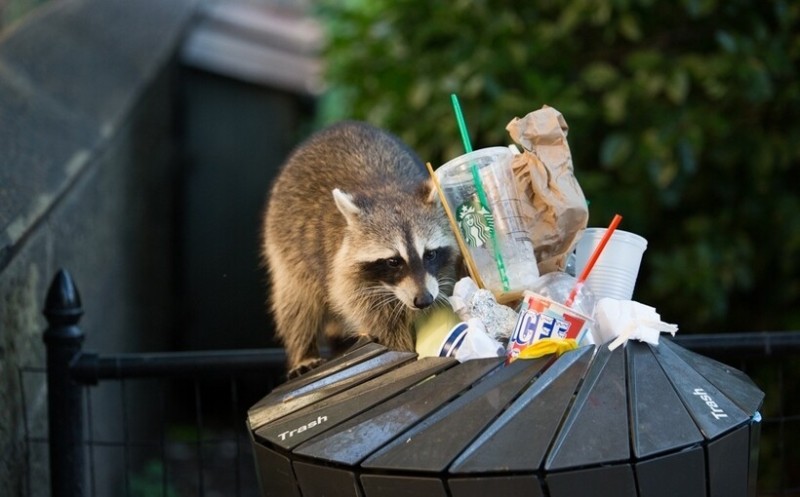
590, 263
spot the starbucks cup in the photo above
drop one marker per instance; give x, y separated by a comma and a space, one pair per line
615, 272
496, 233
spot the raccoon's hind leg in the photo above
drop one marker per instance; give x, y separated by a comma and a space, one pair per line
298, 327
298, 319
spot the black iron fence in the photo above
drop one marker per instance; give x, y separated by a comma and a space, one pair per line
177, 426
135, 425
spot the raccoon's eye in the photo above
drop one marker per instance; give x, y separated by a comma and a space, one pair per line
431, 255
394, 262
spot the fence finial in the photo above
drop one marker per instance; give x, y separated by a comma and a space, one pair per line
63, 339
62, 306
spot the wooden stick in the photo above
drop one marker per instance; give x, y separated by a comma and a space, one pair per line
468, 260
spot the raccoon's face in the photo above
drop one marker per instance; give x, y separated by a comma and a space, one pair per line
412, 268
396, 249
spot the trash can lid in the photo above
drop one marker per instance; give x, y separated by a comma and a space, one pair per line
379, 413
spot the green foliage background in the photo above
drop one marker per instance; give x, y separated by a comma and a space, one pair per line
684, 117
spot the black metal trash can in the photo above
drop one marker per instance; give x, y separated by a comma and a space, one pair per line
641, 421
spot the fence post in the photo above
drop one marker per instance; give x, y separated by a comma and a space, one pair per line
63, 341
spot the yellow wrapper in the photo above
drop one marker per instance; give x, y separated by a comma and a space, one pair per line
547, 346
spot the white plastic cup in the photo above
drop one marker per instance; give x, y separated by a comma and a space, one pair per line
507, 213
615, 271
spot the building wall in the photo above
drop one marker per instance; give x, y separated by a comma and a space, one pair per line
138, 140
87, 174
13, 11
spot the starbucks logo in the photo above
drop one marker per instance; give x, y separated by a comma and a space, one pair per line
476, 223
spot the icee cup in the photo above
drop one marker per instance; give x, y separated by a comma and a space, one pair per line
503, 223
541, 318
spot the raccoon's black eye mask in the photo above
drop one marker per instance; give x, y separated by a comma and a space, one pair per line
435, 259
431, 255
392, 262
392, 269
389, 270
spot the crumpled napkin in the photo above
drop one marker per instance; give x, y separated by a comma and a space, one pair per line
477, 344
622, 320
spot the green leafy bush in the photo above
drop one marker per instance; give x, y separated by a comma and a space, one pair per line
684, 117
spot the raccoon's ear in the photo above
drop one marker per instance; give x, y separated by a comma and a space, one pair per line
427, 190
346, 205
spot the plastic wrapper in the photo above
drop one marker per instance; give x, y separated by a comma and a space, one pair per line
557, 286
548, 346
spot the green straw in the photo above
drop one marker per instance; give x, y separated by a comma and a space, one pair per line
462, 128
462, 125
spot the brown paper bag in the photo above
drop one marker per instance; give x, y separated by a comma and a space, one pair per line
545, 175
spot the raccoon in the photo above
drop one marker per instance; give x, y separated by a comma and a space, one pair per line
355, 242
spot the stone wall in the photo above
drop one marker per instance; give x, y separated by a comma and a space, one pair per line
13, 11
87, 173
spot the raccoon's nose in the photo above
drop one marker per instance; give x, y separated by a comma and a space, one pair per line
424, 300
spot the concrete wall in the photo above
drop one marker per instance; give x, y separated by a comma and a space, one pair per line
87, 174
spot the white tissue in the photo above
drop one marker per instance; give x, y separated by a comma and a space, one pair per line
463, 291
622, 320
477, 344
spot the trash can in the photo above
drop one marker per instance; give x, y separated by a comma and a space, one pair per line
639, 421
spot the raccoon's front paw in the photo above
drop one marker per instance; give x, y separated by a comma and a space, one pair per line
304, 367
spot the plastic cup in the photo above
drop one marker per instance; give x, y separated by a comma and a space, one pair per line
615, 272
433, 328
543, 318
505, 219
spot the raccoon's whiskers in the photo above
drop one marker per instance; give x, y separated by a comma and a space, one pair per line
381, 299
446, 285
375, 298
380, 305
376, 291
389, 310
397, 312
441, 300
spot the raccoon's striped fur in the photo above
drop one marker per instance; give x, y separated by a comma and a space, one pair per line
355, 241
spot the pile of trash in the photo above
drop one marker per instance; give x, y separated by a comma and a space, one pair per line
540, 281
